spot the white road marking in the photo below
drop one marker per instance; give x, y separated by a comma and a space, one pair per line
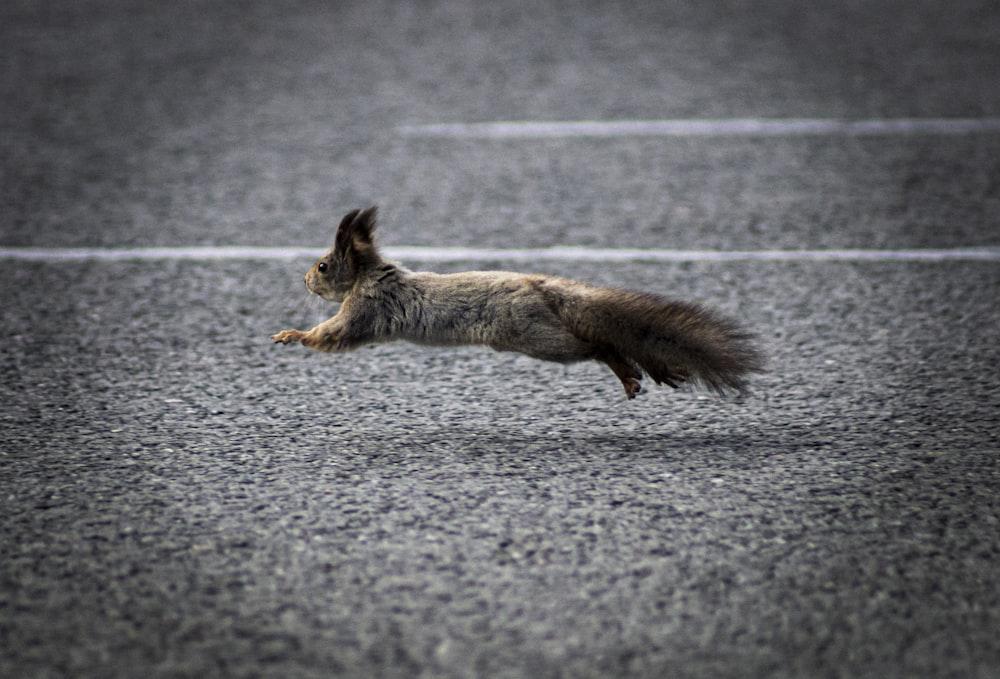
37, 254
745, 127
463, 254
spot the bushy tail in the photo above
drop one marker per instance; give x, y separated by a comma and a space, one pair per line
671, 340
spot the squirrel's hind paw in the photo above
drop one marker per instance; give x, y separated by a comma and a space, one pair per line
632, 387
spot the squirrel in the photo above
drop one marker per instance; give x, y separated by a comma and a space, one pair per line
546, 317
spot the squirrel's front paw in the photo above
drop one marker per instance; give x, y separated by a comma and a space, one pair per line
288, 336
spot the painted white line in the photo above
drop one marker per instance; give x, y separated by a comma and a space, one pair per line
35, 254
462, 254
578, 254
745, 127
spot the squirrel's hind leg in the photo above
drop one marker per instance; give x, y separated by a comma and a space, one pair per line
627, 371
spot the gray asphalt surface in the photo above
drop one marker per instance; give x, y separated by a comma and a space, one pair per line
178, 497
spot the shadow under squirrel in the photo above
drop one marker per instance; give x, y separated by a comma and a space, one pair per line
546, 317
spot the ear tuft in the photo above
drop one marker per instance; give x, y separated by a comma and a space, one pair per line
356, 236
348, 218
357, 226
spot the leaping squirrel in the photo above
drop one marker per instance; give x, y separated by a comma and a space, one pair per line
546, 317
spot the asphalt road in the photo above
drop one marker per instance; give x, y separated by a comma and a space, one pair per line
179, 497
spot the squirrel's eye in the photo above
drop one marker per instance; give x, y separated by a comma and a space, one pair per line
322, 267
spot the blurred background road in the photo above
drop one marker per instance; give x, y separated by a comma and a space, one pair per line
178, 497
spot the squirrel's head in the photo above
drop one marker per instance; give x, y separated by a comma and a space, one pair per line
352, 255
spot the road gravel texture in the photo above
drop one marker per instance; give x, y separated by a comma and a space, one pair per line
181, 498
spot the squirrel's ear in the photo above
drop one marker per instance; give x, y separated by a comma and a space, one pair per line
357, 227
346, 221
355, 238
